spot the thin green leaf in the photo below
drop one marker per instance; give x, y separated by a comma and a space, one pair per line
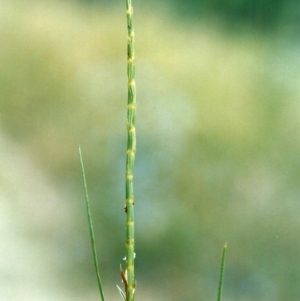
121, 293
222, 271
92, 236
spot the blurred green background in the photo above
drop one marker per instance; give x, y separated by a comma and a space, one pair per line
218, 148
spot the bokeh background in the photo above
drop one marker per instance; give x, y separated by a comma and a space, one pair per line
218, 148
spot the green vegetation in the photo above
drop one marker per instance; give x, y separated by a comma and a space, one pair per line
272, 16
218, 146
222, 272
91, 228
127, 276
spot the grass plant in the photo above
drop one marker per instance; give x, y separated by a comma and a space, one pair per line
127, 276
91, 229
61, 62
222, 271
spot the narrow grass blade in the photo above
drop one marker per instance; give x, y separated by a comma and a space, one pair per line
121, 293
222, 271
92, 236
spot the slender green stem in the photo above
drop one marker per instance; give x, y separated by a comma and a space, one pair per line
130, 155
222, 271
92, 236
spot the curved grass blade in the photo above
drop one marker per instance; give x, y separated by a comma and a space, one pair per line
222, 271
92, 236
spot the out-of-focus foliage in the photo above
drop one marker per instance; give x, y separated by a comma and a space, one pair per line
218, 145
258, 15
